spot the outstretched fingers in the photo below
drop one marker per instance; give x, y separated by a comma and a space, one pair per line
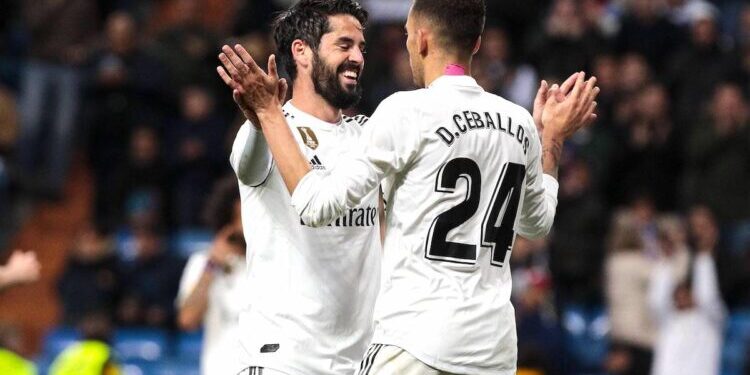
240, 65
247, 58
230, 68
568, 84
589, 89
580, 83
228, 80
272, 69
590, 115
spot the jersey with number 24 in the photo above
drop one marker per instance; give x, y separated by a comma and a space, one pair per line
461, 171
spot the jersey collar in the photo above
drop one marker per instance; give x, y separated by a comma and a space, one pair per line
453, 81
310, 119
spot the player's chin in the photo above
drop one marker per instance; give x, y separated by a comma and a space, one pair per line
350, 87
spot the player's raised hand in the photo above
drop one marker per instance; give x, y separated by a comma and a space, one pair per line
562, 118
252, 89
543, 94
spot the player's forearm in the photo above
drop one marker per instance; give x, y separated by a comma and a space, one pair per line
286, 153
254, 161
552, 147
191, 312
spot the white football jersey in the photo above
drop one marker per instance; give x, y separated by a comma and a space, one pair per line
462, 176
311, 290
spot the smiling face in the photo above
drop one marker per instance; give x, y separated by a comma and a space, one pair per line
338, 63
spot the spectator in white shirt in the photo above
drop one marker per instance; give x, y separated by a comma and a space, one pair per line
213, 282
689, 316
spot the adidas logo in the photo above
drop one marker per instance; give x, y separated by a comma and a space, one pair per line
315, 163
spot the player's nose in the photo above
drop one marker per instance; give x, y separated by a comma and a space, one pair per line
357, 56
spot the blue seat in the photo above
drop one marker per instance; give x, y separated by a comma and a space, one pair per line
125, 244
188, 346
166, 367
185, 242
586, 333
736, 343
57, 340
140, 344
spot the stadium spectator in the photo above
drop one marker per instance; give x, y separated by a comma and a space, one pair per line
576, 244
733, 266
539, 332
11, 362
508, 77
139, 194
213, 286
649, 146
627, 273
718, 153
186, 48
699, 65
690, 318
93, 355
567, 37
22, 268
195, 154
123, 89
90, 280
61, 32
646, 30
150, 282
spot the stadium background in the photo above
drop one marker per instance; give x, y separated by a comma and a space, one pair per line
133, 103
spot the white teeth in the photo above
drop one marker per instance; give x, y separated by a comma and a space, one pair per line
351, 75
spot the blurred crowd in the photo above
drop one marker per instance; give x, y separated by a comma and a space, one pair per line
654, 199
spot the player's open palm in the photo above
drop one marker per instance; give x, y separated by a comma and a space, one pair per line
561, 119
252, 88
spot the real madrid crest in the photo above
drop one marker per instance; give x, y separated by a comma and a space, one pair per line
308, 137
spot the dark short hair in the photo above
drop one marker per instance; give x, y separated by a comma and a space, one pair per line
308, 21
219, 209
459, 23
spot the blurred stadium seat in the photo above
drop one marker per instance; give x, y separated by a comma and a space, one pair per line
188, 241
585, 335
736, 348
188, 346
141, 344
56, 340
167, 367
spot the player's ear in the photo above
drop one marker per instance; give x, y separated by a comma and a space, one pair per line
422, 42
477, 46
302, 53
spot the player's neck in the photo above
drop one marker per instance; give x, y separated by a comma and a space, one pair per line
435, 68
307, 100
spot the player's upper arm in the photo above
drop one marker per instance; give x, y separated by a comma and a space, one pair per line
540, 199
250, 158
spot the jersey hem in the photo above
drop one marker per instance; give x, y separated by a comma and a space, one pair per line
441, 365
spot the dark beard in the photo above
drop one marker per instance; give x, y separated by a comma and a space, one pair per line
328, 86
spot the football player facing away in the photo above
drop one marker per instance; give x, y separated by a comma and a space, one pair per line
311, 290
463, 172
